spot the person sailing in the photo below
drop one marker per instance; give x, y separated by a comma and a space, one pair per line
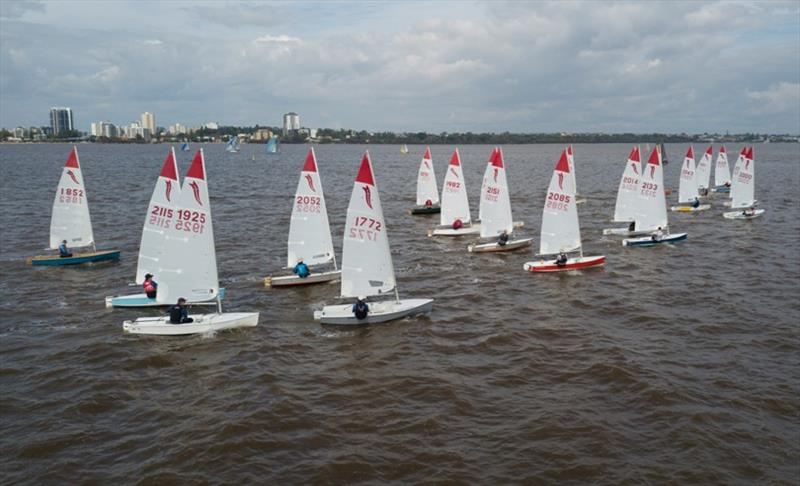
562, 259
63, 251
178, 314
696, 202
301, 269
360, 308
150, 286
502, 238
658, 234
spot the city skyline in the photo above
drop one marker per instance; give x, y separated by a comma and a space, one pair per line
484, 67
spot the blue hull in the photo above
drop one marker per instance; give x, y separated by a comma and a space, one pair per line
100, 256
721, 189
645, 242
141, 300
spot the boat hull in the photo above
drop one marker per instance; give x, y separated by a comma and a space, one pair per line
203, 323
722, 189
420, 210
511, 245
142, 300
739, 215
579, 263
649, 241
75, 259
294, 280
625, 232
690, 209
470, 229
383, 311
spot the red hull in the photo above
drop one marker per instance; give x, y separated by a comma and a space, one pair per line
549, 268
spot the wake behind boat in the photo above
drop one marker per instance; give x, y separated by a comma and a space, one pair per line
310, 241
188, 267
367, 268
70, 223
497, 226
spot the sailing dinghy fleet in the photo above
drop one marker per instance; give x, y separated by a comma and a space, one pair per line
177, 241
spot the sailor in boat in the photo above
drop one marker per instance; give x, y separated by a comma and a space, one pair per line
457, 224
178, 314
562, 259
63, 251
502, 239
632, 227
657, 235
301, 269
704, 191
749, 212
696, 202
727, 184
428, 203
360, 308
150, 286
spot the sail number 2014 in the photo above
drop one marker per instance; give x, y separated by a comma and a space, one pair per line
365, 228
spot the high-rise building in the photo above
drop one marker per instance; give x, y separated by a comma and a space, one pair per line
149, 121
61, 120
291, 123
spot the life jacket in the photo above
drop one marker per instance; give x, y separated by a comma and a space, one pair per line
175, 314
148, 286
361, 311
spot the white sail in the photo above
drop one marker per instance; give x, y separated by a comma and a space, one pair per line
560, 229
427, 190
455, 204
160, 216
188, 263
651, 211
309, 230
743, 184
367, 267
703, 169
722, 174
70, 219
628, 192
495, 204
571, 162
687, 190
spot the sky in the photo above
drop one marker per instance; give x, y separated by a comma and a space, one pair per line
451, 66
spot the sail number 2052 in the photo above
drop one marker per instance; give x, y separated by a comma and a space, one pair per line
365, 228
308, 204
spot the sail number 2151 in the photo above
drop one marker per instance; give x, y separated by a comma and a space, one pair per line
365, 228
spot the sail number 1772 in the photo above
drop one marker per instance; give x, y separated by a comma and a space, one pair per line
365, 228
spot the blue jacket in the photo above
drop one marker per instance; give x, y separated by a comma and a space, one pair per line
301, 269
62, 248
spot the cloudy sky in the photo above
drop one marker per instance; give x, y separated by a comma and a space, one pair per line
407, 66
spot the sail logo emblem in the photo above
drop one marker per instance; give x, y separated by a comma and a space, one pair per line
495, 174
72, 175
453, 171
426, 164
635, 170
367, 196
196, 191
310, 182
168, 190
652, 171
746, 164
561, 180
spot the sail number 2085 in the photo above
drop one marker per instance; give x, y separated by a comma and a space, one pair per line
365, 228
558, 201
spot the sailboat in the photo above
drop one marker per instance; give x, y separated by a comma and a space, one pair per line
188, 264
233, 145
185, 147
722, 174
651, 210
404, 149
561, 231
160, 215
427, 190
367, 269
571, 160
454, 219
309, 231
628, 197
703, 172
743, 189
71, 221
687, 189
271, 145
495, 207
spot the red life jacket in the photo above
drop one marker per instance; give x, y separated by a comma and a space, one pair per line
148, 286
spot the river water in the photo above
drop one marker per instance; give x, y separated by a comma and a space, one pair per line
677, 364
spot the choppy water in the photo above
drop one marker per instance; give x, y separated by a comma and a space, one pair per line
676, 364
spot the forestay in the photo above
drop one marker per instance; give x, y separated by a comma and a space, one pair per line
188, 265
651, 210
427, 190
495, 203
560, 229
688, 183
160, 214
743, 184
309, 230
455, 204
70, 219
703, 169
722, 173
366, 259
628, 193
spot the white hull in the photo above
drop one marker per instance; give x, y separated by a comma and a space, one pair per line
739, 215
511, 245
471, 229
625, 232
203, 323
383, 311
294, 280
690, 209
